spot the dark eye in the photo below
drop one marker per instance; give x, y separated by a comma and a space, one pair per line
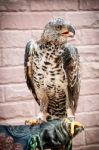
59, 27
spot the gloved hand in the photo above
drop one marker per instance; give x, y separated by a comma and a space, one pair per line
57, 133
52, 134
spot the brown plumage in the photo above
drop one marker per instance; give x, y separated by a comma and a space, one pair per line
52, 70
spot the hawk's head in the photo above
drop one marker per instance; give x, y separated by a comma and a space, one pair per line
58, 30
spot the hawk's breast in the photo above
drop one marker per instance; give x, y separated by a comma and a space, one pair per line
50, 82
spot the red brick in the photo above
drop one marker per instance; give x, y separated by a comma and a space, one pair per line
2, 99
88, 119
0, 57
85, 37
2, 7
89, 86
89, 57
13, 121
36, 34
89, 53
17, 92
25, 20
54, 5
36, 20
20, 109
89, 4
88, 49
89, 36
91, 103
12, 74
10, 5
80, 106
14, 38
20, 120
83, 19
13, 56
90, 70
87, 147
88, 103
92, 136
79, 139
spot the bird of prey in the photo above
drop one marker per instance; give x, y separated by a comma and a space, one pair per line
52, 70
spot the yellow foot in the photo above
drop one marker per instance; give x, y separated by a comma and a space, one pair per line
73, 125
42, 117
31, 122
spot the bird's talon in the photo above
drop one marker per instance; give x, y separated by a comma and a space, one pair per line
75, 124
31, 122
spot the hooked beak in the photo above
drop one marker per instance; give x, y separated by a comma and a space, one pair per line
71, 31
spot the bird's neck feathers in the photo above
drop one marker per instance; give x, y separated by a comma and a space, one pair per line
56, 44
56, 40
53, 49
49, 45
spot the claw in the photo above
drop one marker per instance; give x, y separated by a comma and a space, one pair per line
74, 124
42, 117
31, 122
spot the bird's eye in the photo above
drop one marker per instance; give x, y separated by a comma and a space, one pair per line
59, 27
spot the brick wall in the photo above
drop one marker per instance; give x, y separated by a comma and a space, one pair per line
25, 19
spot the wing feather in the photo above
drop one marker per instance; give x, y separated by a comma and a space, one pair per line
71, 65
28, 67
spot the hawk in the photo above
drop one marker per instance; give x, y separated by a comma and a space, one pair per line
52, 71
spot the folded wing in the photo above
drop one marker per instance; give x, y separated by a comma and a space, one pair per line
28, 67
71, 66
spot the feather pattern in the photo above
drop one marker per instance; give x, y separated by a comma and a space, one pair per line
28, 67
52, 70
57, 74
71, 65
